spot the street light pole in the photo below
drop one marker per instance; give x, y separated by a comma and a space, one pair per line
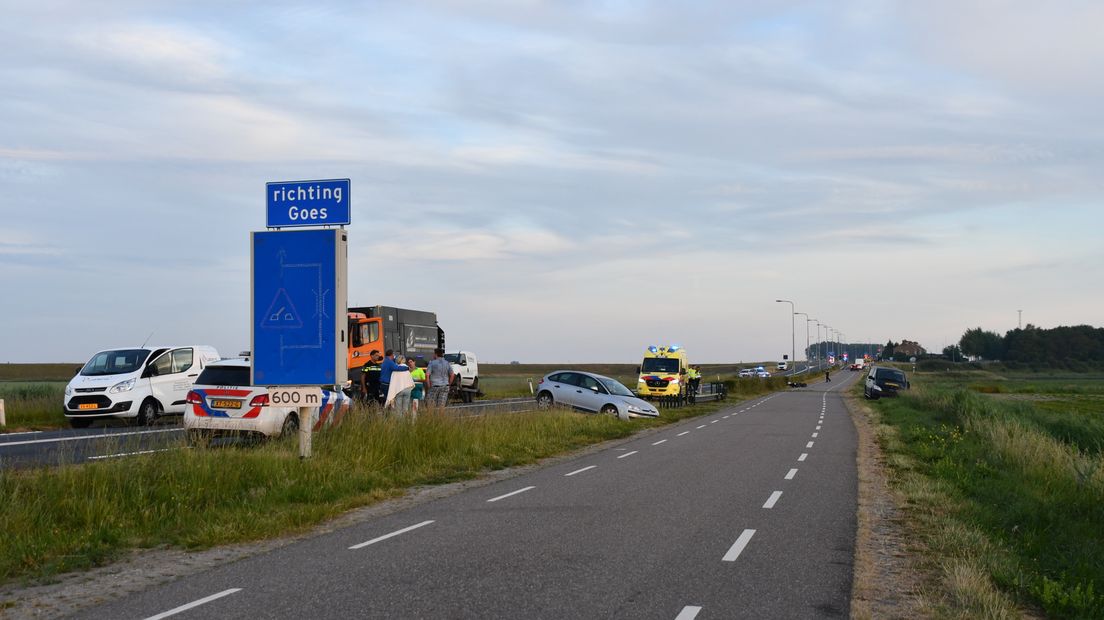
806, 337
793, 330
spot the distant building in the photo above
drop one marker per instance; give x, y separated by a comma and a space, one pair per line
515, 363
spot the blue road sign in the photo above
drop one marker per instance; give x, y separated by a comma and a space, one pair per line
298, 307
307, 203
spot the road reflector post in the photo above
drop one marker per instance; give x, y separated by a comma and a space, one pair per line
306, 424
3, 420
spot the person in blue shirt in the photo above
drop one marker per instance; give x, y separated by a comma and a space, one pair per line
389, 366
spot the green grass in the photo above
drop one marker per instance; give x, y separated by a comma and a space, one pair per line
1007, 490
30, 405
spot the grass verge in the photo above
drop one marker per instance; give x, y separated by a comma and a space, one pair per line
72, 518
1006, 495
33, 405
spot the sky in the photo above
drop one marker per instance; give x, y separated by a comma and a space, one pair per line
560, 181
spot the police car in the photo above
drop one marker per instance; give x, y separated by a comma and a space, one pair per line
222, 402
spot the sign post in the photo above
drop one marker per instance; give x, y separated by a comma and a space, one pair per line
299, 301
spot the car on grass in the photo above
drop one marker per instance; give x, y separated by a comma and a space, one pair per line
592, 392
884, 381
139, 384
224, 402
747, 372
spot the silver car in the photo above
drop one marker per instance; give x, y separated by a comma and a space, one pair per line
590, 392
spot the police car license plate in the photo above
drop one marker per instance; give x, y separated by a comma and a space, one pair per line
226, 404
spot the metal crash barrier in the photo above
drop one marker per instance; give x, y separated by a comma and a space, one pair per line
706, 392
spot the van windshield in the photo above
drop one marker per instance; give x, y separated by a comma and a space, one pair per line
660, 364
452, 358
119, 362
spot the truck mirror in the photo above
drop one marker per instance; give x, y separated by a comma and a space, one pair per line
637, 370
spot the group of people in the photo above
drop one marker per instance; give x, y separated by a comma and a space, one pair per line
397, 382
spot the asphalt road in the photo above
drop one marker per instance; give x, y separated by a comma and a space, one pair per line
746, 513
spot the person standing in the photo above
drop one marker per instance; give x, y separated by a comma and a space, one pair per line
387, 368
827, 376
419, 393
694, 375
439, 379
400, 388
370, 378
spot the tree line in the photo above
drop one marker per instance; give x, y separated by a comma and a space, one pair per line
1079, 343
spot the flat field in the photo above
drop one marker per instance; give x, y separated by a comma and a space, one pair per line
1003, 476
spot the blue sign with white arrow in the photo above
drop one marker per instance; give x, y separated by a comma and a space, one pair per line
307, 203
298, 307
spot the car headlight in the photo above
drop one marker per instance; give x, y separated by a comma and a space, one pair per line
674, 381
122, 386
634, 409
877, 387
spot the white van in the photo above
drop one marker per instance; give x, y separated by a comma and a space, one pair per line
141, 383
783, 365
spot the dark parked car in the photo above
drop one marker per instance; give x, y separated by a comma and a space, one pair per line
884, 381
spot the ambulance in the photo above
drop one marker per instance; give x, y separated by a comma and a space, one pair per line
662, 372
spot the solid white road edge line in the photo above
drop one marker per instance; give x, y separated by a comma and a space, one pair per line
738, 546
104, 436
495, 499
791, 474
579, 471
804, 455
111, 456
202, 601
773, 499
659, 442
688, 613
628, 454
392, 534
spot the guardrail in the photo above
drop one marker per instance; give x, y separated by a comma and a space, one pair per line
706, 392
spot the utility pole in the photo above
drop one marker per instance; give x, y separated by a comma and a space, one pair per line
806, 337
793, 330
1019, 322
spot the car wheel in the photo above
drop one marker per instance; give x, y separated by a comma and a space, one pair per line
148, 412
611, 410
291, 425
80, 422
544, 400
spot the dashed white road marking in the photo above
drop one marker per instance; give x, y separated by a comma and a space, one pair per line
773, 499
701, 427
495, 499
791, 474
804, 455
659, 442
628, 454
738, 547
818, 427
193, 604
683, 433
809, 445
391, 535
815, 435
714, 421
579, 471
688, 613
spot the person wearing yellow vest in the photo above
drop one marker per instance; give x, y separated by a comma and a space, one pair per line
419, 377
693, 374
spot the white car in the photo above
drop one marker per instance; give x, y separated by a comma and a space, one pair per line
762, 374
747, 372
222, 402
141, 383
590, 392
783, 366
